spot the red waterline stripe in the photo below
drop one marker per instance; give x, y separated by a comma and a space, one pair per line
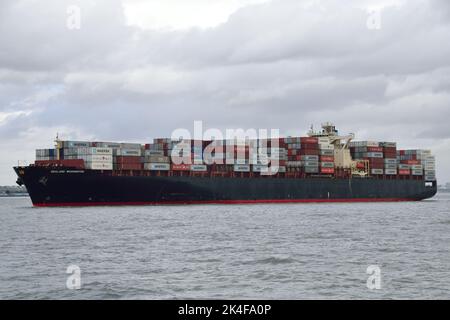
91, 204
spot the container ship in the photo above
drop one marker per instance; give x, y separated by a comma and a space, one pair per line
321, 166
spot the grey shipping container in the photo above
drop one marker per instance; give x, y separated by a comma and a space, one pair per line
374, 154
310, 163
390, 161
156, 159
327, 152
309, 158
157, 166
242, 168
154, 152
327, 164
311, 169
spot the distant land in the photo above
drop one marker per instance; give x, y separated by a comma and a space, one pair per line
13, 191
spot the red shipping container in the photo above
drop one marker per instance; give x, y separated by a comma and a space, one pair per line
72, 163
309, 152
128, 166
404, 172
374, 149
401, 152
327, 159
390, 149
128, 159
310, 146
181, 167
309, 140
375, 160
412, 162
360, 165
327, 170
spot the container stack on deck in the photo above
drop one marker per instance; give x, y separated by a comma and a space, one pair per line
45, 154
95, 158
390, 158
370, 151
156, 155
294, 160
310, 154
326, 154
305, 155
418, 162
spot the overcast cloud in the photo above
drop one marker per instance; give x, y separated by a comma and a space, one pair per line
140, 69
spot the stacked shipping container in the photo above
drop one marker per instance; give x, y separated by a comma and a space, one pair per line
308, 155
370, 151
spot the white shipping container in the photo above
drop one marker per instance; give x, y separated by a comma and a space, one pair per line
157, 166
260, 168
241, 161
242, 168
133, 146
377, 171
417, 172
99, 158
128, 152
324, 140
99, 165
326, 146
390, 171
197, 168
417, 167
154, 153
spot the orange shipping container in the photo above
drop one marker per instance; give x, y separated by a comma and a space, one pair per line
327, 170
327, 159
181, 167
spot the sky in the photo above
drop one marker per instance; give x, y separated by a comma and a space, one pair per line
133, 70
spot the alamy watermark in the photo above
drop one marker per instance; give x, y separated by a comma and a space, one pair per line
374, 279
373, 21
73, 21
260, 148
73, 281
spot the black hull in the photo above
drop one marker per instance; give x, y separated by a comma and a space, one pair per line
50, 187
